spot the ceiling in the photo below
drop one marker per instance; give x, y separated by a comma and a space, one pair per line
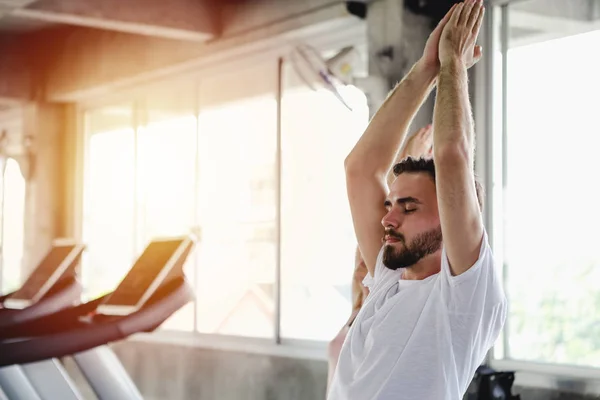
530, 20
175, 19
10, 23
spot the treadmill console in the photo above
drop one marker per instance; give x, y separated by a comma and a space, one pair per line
161, 260
62, 259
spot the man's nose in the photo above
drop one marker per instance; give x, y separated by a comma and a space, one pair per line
391, 220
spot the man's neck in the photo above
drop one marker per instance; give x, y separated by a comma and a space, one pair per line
426, 267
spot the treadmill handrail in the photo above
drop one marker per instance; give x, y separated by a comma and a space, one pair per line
67, 291
167, 300
4, 297
51, 323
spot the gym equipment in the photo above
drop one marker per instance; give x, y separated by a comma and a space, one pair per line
52, 286
489, 384
151, 292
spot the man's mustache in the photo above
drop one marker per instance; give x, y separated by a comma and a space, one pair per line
392, 234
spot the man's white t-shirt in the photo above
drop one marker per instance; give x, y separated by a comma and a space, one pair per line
421, 339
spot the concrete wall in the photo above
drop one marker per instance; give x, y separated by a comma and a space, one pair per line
180, 373
168, 372
544, 394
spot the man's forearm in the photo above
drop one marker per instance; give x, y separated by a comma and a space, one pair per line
400, 155
376, 150
453, 123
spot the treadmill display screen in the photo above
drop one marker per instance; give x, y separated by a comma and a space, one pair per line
146, 269
43, 272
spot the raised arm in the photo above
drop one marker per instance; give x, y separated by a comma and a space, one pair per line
369, 162
417, 145
460, 216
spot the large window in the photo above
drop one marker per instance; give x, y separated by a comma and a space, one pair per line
166, 176
205, 159
109, 213
547, 227
139, 186
317, 239
237, 203
12, 218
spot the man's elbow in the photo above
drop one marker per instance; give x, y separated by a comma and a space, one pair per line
350, 164
356, 168
452, 154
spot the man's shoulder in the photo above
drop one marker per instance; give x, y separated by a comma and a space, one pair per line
485, 261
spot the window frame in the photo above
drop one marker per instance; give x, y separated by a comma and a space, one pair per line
3, 227
9, 120
336, 33
495, 36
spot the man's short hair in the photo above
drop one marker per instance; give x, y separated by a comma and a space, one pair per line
426, 165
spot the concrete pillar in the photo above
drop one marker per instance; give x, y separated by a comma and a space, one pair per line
44, 124
392, 27
595, 10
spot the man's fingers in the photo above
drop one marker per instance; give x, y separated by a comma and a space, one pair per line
474, 14
466, 12
456, 14
479, 21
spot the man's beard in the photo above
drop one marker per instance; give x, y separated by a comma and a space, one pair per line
422, 245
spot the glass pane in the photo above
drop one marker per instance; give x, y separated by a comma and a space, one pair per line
237, 208
166, 182
13, 225
496, 197
167, 153
553, 137
108, 227
318, 241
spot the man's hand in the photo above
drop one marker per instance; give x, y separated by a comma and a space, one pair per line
457, 42
431, 58
419, 144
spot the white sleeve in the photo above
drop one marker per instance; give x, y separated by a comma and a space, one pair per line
381, 274
475, 299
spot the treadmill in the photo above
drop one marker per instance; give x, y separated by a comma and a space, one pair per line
51, 286
151, 292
